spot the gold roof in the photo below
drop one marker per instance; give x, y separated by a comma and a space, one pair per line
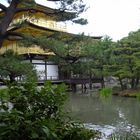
36, 11
34, 50
35, 23
27, 50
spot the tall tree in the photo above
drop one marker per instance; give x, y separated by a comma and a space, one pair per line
67, 10
69, 48
98, 54
127, 61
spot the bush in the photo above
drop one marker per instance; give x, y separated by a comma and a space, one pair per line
106, 92
75, 131
37, 113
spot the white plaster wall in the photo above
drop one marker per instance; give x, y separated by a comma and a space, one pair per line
52, 72
40, 71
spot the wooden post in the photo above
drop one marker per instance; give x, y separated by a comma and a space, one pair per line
73, 87
45, 70
90, 80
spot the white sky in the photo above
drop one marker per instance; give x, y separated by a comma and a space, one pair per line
115, 18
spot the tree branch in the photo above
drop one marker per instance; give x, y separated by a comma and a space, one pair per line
4, 8
60, 14
14, 35
34, 10
6, 20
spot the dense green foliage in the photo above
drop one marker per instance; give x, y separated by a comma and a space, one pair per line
12, 66
29, 112
84, 56
71, 50
126, 60
99, 57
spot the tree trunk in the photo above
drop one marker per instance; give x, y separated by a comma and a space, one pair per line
102, 82
121, 83
102, 78
12, 78
132, 83
90, 80
137, 82
2, 37
5, 22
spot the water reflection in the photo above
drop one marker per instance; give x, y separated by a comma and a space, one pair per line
119, 113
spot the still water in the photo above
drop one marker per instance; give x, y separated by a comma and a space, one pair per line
114, 114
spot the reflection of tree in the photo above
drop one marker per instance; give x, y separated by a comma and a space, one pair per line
129, 108
134, 116
106, 112
93, 110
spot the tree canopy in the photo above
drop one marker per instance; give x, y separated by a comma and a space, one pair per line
12, 66
127, 60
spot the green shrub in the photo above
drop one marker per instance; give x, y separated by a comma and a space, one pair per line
3, 94
138, 95
73, 131
37, 113
106, 92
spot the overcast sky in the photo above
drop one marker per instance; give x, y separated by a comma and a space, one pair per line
115, 18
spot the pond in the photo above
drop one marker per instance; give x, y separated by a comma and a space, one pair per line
114, 114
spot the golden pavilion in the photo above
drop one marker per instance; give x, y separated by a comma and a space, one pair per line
36, 23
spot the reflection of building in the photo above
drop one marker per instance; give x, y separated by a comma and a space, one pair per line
35, 23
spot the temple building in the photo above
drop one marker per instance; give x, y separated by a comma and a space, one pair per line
36, 23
